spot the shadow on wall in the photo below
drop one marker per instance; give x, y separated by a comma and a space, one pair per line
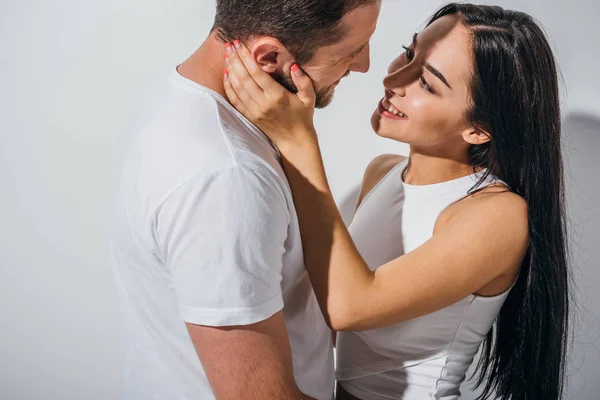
582, 166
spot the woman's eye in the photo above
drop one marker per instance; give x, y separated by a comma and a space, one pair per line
426, 86
409, 53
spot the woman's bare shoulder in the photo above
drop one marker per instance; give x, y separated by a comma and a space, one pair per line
384, 163
495, 199
377, 169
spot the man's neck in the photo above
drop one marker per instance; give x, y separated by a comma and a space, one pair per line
205, 66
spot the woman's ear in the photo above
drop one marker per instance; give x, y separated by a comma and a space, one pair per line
270, 54
476, 136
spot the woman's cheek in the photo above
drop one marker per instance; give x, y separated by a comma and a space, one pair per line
417, 107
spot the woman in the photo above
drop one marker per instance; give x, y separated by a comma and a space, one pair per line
467, 232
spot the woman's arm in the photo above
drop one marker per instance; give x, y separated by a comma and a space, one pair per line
473, 248
482, 242
486, 239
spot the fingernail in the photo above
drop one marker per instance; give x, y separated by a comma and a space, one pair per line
225, 72
296, 70
236, 43
228, 49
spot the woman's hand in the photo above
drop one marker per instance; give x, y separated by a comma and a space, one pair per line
286, 118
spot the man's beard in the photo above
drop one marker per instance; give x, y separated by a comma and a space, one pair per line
323, 96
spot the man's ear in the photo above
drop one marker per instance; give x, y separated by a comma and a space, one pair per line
270, 54
476, 136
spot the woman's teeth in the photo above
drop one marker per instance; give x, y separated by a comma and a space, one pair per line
391, 109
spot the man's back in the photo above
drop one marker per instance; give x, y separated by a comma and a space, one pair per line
206, 233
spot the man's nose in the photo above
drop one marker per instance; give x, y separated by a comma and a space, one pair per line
363, 60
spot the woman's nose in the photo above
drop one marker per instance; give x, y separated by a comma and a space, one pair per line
394, 86
402, 77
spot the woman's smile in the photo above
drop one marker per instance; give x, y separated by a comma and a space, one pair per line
387, 110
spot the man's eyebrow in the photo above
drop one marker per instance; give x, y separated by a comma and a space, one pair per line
430, 67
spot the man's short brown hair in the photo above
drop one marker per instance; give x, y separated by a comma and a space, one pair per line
301, 26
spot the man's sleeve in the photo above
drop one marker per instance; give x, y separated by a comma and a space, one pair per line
222, 238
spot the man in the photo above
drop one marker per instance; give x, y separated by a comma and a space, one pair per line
208, 260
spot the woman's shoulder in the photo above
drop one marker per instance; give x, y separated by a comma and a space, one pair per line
497, 204
384, 163
377, 169
494, 220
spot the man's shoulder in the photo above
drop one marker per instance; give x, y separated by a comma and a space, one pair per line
190, 135
186, 125
214, 127
248, 181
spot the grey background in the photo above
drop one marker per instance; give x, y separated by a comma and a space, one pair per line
72, 74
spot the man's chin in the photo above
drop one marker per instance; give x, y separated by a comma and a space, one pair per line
324, 99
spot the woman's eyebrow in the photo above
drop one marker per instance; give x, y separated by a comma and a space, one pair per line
430, 67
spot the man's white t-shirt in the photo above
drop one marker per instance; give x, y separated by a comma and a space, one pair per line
206, 233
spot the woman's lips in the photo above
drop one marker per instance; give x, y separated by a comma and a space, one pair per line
387, 110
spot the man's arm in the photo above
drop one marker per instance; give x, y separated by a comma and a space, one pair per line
222, 237
247, 362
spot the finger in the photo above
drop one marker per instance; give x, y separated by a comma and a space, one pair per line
250, 103
262, 79
232, 95
306, 91
237, 69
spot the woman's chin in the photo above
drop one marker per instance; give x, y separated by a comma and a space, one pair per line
376, 122
381, 128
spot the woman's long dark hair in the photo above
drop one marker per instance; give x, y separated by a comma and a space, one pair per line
515, 99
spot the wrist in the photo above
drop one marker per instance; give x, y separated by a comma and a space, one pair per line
300, 140
302, 160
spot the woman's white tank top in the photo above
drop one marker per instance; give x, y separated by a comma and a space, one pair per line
426, 357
